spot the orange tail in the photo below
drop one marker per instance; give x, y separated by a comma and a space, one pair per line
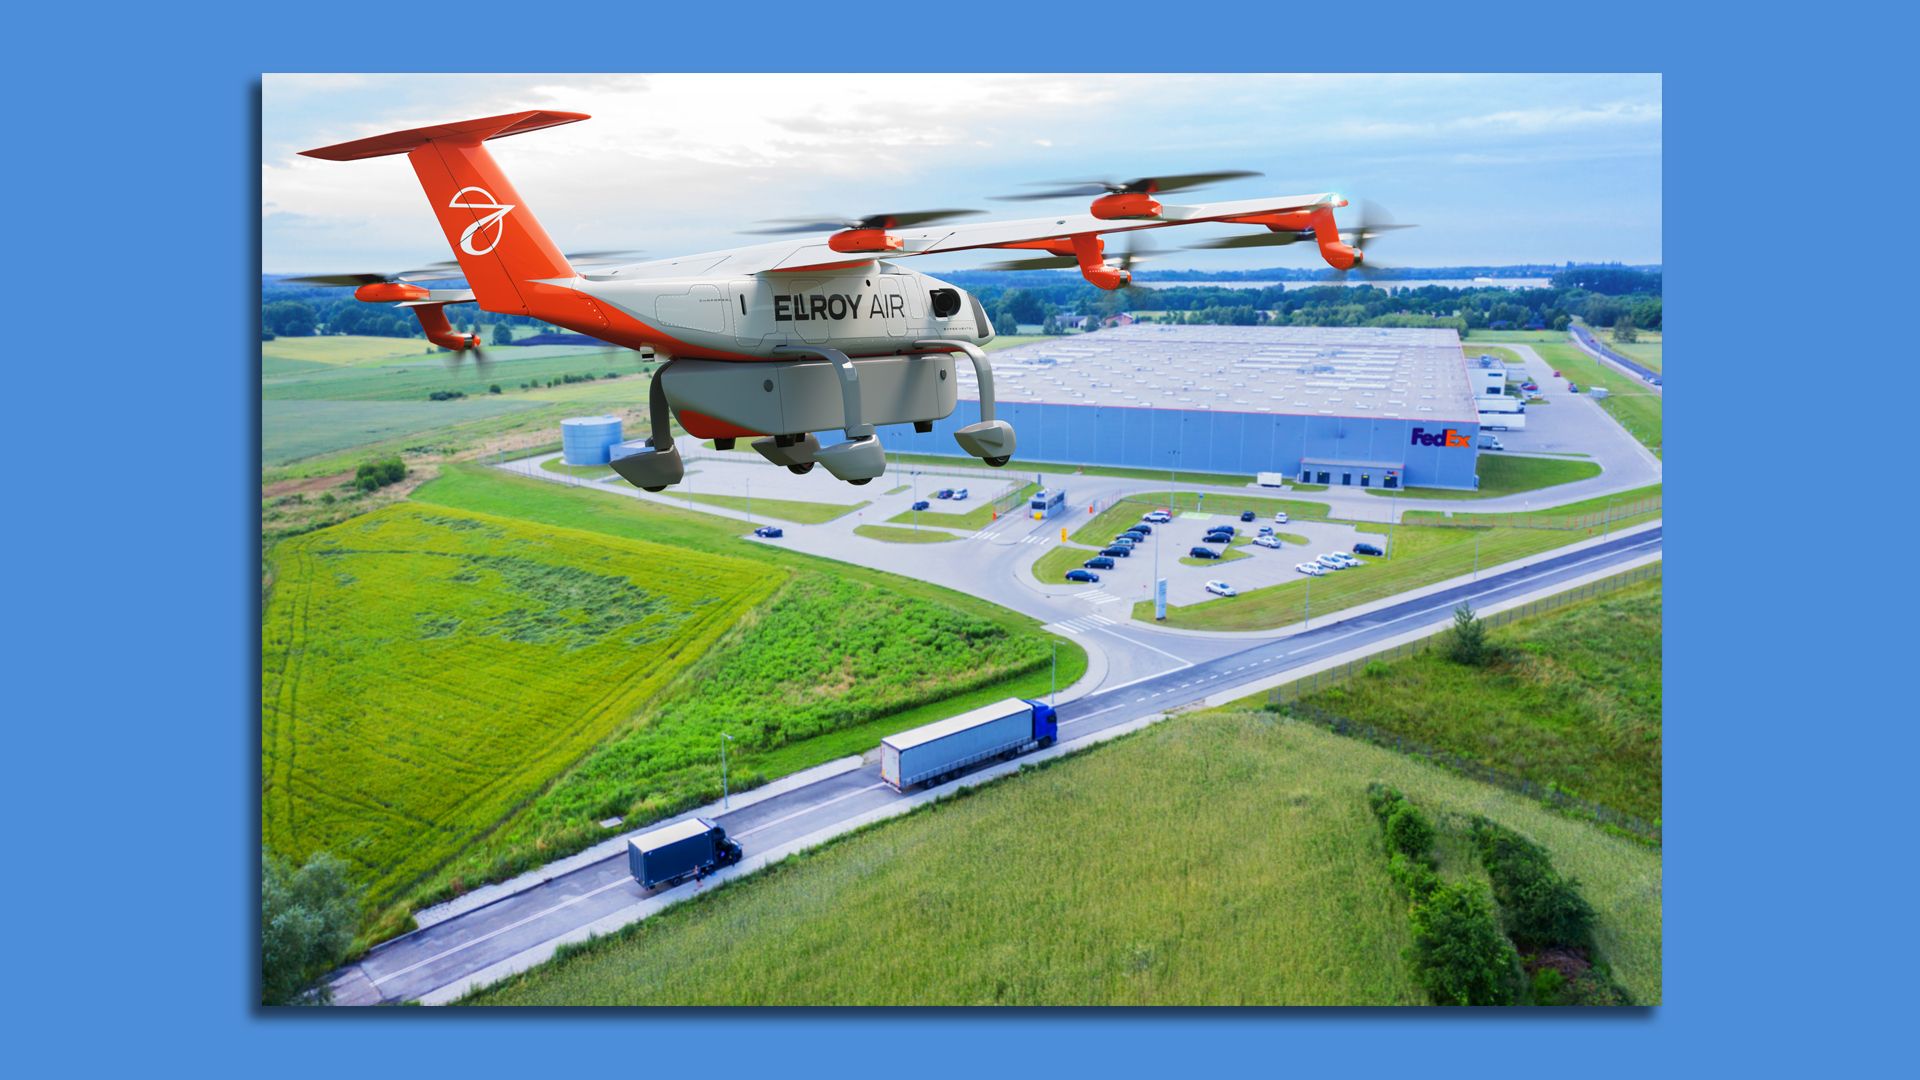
494, 236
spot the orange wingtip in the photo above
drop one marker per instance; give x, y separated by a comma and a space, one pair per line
399, 142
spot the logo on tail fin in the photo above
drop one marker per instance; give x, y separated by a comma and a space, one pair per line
495, 219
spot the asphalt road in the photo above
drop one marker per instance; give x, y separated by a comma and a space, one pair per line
417, 964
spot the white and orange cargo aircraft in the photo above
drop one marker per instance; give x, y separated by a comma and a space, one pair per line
778, 341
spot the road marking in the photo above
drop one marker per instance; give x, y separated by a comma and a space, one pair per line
496, 933
808, 810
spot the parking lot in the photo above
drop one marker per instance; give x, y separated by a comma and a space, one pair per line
1131, 579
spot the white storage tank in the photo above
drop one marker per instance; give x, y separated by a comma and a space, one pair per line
586, 440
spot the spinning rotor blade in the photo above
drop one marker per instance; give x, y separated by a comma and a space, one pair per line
1252, 240
1374, 220
900, 220
1048, 263
1063, 189
346, 280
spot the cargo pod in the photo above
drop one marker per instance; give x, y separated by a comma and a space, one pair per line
940, 750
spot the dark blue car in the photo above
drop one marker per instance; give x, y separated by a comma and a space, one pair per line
1118, 551
1098, 562
1082, 575
769, 532
1203, 553
921, 505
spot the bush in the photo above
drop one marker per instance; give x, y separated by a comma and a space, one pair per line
1459, 953
1547, 986
1542, 909
1467, 640
446, 395
378, 474
1416, 877
1409, 832
494, 389
307, 919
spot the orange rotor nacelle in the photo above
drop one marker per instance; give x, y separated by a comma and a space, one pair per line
390, 292
433, 319
864, 241
1126, 204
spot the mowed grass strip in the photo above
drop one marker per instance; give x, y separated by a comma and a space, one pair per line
804, 513
1573, 699
1051, 568
1503, 474
1220, 858
427, 671
1422, 555
902, 534
1630, 401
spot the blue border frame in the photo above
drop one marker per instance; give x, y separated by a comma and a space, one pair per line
136, 638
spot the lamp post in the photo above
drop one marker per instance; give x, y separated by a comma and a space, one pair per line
726, 800
915, 474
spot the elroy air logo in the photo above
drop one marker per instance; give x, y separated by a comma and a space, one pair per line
497, 218
1449, 437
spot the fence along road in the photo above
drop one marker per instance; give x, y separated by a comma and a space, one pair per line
488, 943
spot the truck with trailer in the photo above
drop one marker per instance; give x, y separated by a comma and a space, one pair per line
672, 853
941, 750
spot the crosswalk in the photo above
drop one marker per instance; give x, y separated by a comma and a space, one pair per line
994, 536
1081, 625
1097, 596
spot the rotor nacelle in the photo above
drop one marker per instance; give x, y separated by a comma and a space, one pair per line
1124, 205
864, 241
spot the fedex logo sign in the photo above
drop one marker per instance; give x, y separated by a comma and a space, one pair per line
1449, 437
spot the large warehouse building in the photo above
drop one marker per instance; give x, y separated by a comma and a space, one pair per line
1345, 406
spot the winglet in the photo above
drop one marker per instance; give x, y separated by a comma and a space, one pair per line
468, 131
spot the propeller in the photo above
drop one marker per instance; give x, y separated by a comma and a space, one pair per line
347, 281
1137, 250
902, 220
1144, 185
1374, 221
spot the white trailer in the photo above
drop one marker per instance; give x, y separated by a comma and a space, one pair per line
1500, 421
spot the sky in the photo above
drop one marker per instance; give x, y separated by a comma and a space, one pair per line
1494, 169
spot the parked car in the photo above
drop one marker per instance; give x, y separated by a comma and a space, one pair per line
1143, 530
1202, 553
1118, 551
1158, 517
1217, 538
1368, 549
1347, 562
959, 494
1228, 529
943, 493
1530, 387
1082, 575
1246, 515
1098, 562
1573, 388
1279, 517
1556, 374
769, 532
1221, 588
921, 505
1126, 540
1268, 540
1310, 569
1331, 562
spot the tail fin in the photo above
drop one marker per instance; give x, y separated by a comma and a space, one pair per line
493, 235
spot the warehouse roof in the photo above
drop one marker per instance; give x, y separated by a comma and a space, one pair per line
1396, 374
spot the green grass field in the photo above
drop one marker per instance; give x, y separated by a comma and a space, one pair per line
1632, 402
1599, 513
905, 534
427, 671
416, 377
1501, 475
346, 349
1573, 699
1521, 337
293, 430
1219, 858
583, 472
1645, 351
806, 513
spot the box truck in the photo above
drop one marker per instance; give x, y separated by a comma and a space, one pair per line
684, 849
940, 750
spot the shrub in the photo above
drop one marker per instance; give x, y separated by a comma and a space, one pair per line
1383, 801
378, 474
1414, 876
1458, 953
1547, 985
494, 389
1409, 832
446, 395
1542, 909
1467, 640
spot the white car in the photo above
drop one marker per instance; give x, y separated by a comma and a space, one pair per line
1279, 517
1221, 588
1310, 569
1332, 562
1157, 517
1267, 540
960, 495
1346, 561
